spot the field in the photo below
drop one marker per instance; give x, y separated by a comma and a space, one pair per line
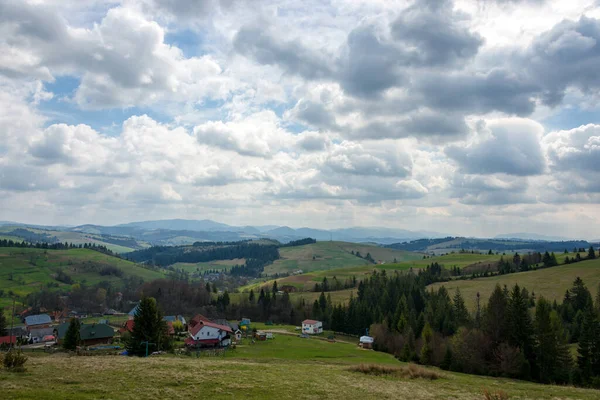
286, 367
329, 255
307, 280
548, 282
24, 271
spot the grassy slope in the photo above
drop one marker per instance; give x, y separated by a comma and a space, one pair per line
548, 282
330, 255
284, 368
306, 281
32, 268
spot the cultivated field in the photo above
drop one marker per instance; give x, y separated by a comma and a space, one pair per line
548, 282
283, 368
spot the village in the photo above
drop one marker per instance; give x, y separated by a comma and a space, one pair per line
46, 331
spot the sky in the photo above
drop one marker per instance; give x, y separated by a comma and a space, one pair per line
472, 118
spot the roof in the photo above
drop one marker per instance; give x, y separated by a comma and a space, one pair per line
127, 326
133, 311
88, 331
41, 319
196, 328
310, 322
96, 331
197, 319
366, 339
8, 339
173, 318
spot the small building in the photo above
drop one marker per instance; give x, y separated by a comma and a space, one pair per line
134, 310
7, 341
366, 342
238, 335
173, 318
312, 327
89, 334
208, 334
37, 321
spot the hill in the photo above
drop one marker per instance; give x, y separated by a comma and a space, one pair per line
329, 255
552, 283
450, 244
117, 244
307, 280
24, 270
286, 367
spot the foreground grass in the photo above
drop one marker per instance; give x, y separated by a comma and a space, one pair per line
552, 283
169, 377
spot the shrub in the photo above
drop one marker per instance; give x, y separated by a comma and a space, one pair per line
14, 361
498, 395
412, 371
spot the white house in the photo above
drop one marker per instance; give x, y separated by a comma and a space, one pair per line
312, 327
366, 342
206, 333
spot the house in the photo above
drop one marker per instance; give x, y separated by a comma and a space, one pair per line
238, 335
244, 324
40, 332
261, 336
37, 321
197, 319
366, 342
312, 327
89, 334
208, 334
127, 327
7, 340
133, 311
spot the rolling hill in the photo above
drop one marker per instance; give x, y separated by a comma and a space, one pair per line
552, 283
25, 270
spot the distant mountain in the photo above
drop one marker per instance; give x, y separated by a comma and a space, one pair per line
531, 236
183, 225
455, 244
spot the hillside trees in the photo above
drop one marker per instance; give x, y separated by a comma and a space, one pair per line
3, 322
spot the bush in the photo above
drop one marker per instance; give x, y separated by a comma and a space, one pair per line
412, 371
14, 361
499, 395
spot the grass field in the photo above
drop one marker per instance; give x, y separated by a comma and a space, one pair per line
283, 368
330, 255
307, 280
548, 282
24, 271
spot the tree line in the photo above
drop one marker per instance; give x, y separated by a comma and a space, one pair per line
56, 246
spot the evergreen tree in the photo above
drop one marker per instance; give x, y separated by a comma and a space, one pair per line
547, 342
275, 288
322, 302
71, 339
564, 359
494, 316
3, 323
447, 361
148, 326
461, 314
427, 349
251, 296
520, 327
587, 342
591, 253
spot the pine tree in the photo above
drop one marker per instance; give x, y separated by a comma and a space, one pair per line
564, 359
426, 350
447, 361
591, 253
3, 322
546, 349
520, 327
585, 348
275, 288
251, 296
71, 339
461, 314
148, 326
494, 316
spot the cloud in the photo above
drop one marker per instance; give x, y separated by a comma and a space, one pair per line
438, 34
355, 159
490, 190
512, 147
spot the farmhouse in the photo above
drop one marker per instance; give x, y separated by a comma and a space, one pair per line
89, 334
366, 342
205, 333
312, 327
38, 321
